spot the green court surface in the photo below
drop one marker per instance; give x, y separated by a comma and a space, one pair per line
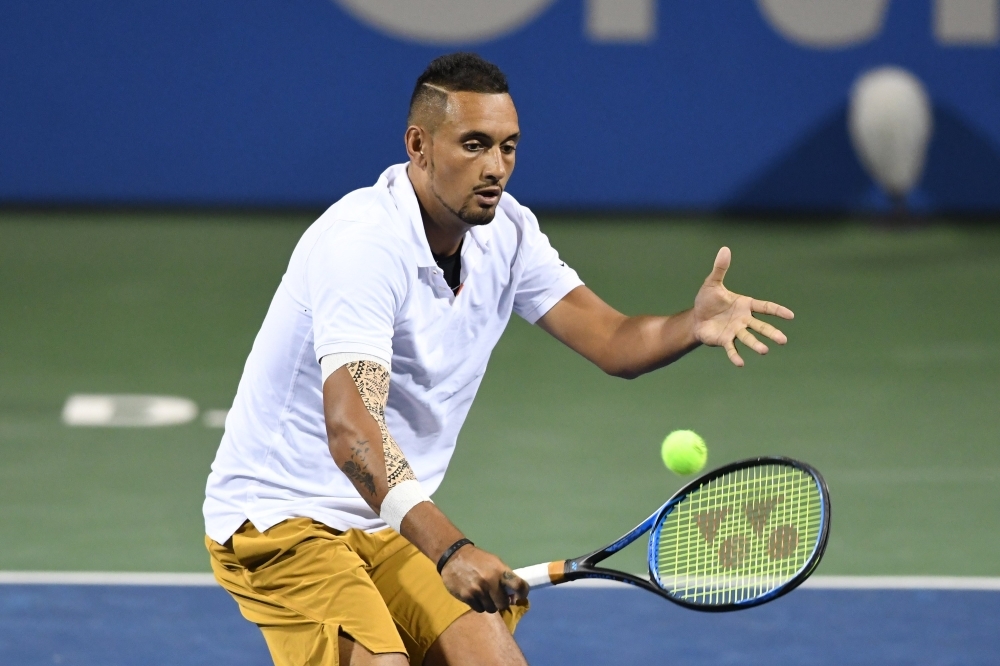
890, 385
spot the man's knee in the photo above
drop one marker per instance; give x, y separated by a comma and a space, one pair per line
476, 638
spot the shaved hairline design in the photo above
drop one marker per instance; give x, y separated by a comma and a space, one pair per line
431, 101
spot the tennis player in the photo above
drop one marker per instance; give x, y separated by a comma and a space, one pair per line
318, 513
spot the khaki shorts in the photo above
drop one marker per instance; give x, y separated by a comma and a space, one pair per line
304, 583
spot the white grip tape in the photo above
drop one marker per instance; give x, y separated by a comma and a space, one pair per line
399, 500
537, 575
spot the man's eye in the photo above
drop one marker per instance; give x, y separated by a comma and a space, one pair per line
507, 149
473, 146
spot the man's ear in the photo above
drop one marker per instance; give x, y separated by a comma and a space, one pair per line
417, 145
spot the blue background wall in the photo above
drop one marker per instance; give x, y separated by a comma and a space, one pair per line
295, 102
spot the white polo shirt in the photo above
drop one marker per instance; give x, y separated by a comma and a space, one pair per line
362, 280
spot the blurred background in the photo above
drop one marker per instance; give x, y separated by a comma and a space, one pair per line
159, 161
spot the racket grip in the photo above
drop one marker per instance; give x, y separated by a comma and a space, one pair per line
542, 575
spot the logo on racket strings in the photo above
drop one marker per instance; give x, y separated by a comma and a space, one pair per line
733, 551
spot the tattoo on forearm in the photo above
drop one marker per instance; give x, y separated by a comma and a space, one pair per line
372, 381
356, 468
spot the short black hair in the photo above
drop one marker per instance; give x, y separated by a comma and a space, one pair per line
456, 72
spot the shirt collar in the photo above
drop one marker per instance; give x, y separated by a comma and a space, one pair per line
406, 199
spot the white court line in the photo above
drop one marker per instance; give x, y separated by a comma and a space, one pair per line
106, 578
862, 583
902, 583
207, 580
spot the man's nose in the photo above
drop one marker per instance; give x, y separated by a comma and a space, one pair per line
495, 169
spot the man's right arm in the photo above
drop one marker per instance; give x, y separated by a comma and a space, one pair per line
354, 398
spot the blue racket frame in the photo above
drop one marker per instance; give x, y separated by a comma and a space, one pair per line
586, 565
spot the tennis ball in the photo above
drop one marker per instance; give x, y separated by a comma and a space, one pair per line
684, 452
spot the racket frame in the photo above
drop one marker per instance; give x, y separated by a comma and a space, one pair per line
585, 566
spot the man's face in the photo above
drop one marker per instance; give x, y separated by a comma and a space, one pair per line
472, 154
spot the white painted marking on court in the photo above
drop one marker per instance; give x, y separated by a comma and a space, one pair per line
215, 418
127, 411
106, 578
85, 410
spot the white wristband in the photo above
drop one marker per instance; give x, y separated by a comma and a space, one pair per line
399, 500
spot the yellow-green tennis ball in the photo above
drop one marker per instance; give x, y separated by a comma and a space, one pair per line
684, 452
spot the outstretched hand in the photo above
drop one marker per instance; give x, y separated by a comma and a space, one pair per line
722, 317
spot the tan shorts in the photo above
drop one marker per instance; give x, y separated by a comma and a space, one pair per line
304, 583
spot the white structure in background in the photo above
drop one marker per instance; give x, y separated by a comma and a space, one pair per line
446, 21
818, 24
890, 123
824, 24
836, 24
128, 411
967, 22
623, 21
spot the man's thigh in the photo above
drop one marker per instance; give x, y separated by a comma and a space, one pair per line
304, 587
476, 639
423, 609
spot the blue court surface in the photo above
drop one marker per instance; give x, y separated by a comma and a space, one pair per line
90, 625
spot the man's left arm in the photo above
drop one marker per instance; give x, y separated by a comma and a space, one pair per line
631, 346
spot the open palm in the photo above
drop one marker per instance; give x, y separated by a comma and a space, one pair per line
722, 317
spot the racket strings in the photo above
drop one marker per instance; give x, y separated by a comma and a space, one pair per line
739, 536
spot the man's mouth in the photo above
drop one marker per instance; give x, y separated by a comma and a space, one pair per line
488, 196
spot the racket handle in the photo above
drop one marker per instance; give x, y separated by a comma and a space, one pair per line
542, 575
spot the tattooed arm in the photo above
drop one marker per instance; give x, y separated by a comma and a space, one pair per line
372, 380
354, 399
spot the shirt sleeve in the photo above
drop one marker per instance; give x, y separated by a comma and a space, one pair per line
545, 279
356, 280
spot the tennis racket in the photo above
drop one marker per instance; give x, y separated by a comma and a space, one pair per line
735, 538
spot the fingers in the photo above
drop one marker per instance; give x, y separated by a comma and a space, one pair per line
488, 601
517, 588
766, 329
498, 595
510, 589
483, 581
769, 308
734, 355
747, 338
492, 596
480, 599
722, 261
